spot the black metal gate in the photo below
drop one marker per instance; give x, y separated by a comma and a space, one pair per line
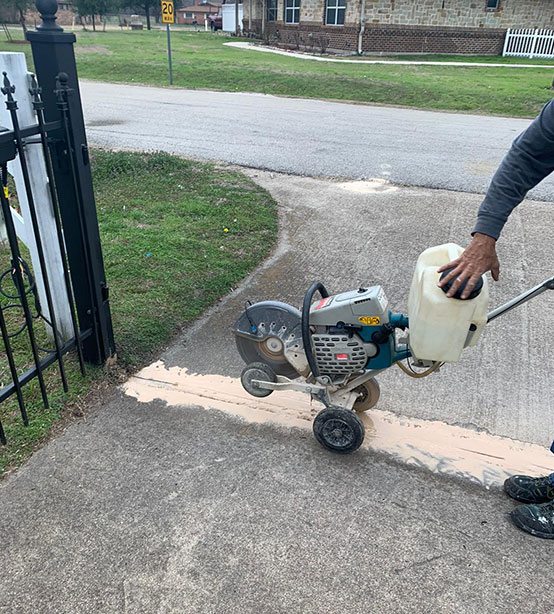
60, 133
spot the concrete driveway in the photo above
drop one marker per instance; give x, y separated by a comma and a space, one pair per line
348, 234
155, 507
148, 509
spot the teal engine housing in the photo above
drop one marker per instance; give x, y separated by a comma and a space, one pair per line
355, 331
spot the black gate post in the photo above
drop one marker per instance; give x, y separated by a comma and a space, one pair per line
54, 60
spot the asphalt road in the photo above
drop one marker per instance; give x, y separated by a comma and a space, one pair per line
306, 137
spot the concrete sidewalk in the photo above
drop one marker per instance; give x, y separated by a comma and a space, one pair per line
151, 508
309, 56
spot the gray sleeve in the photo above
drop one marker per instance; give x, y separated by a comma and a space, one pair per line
529, 161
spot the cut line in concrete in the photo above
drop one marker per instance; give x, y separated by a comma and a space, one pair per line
433, 445
307, 56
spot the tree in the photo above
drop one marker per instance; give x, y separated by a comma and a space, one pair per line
157, 11
91, 8
20, 7
144, 6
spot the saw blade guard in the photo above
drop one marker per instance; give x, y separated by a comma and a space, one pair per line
266, 331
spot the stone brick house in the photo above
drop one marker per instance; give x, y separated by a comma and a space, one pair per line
396, 26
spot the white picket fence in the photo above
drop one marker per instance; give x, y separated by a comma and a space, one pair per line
15, 66
529, 43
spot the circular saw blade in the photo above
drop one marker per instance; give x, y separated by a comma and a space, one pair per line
277, 320
252, 350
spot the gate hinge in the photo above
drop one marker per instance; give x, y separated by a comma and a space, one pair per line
84, 151
104, 288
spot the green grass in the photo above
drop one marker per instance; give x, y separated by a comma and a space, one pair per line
167, 257
200, 60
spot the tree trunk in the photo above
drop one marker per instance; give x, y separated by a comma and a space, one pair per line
93, 24
22, 21
147, 11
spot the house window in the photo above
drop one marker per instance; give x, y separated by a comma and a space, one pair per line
292, 11
334, 15
272, 10
493, 5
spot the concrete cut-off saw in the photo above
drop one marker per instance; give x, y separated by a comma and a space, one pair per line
334, 348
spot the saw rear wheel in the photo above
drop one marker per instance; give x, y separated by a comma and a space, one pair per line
257, 371
370, 392
339, 430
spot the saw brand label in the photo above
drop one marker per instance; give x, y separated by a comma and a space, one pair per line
370, 320
324, 303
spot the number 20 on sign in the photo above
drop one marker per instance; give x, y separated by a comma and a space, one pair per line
168, 11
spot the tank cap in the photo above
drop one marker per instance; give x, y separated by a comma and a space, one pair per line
474, 293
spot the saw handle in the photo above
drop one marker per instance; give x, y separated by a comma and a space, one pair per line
306, 338
548, 284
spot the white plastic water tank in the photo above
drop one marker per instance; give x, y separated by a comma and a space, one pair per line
439, 326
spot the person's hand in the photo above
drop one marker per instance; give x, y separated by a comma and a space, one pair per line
477, 259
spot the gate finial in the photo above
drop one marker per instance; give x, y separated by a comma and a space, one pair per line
8, 88
48, 10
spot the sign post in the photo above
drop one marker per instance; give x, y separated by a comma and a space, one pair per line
168, 17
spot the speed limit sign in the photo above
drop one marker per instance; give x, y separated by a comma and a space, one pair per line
168, 11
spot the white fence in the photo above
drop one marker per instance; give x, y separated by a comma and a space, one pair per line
14, 64
529, 43
228, 17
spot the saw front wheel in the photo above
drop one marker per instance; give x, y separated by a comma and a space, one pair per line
369, 395
260, 372
339, 430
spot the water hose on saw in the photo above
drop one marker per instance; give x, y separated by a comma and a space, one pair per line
423, 373
306, 338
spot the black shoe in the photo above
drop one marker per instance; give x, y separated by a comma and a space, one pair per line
535, 519
529, 490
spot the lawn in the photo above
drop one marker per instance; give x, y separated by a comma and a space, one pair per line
176, 236
440, 57
202, 61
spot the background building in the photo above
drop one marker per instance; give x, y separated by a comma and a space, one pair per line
396, 26
197, 12
64, 16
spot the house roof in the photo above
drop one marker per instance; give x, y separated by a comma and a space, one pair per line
208, 7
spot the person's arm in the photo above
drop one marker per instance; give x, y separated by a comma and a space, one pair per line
529, 161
